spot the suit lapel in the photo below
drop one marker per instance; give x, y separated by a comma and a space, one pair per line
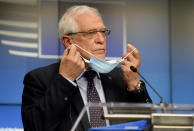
110, 95
108, 87
78, 104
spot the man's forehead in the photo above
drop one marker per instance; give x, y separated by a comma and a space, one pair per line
89, 21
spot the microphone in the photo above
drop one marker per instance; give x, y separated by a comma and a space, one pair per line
135, 70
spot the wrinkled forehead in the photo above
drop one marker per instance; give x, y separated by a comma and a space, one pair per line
89, 21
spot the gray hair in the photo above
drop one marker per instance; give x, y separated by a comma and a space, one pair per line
67, 24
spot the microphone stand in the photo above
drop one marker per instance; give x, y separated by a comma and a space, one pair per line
162, 102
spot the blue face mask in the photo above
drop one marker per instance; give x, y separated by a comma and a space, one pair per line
102, 66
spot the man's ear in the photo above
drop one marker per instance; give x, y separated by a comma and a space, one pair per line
66, 40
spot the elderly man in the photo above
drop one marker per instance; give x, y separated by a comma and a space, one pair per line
54, 95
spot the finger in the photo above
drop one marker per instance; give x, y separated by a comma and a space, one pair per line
123, 56
130, 47
125, 69
127, 63
130, 51
79, 60
135, 53
66, 52
72, 51
77, 56
129, 58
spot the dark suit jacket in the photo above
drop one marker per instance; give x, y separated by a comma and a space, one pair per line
51, 103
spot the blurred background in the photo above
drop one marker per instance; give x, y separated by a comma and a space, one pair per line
162, 31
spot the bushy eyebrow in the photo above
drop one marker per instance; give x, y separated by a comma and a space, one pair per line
88, 30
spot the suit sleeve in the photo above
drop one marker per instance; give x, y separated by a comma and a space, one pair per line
44, 106
142, 97
130, 96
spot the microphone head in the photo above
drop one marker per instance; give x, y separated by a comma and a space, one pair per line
133, 68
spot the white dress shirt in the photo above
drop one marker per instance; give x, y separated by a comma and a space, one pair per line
82, 85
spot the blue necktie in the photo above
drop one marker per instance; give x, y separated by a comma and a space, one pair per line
93, 97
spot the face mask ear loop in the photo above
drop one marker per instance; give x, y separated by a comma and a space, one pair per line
87, 61
128, 54
83, 49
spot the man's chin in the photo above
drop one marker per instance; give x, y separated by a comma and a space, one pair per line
102, 57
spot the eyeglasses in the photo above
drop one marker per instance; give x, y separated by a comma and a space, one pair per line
91, 33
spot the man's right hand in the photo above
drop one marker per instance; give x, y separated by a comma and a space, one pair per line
71, 65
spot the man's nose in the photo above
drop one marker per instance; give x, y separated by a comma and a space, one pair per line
100, 37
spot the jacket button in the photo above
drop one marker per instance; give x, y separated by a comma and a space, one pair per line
66, 99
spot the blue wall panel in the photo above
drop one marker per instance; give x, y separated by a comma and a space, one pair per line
10, 117
182, 44
148, 30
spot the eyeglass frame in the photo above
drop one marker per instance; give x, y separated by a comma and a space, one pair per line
94, 31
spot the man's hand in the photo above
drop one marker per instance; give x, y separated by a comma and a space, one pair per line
131, 78
71, 65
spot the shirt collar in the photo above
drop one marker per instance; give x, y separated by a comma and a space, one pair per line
80, 76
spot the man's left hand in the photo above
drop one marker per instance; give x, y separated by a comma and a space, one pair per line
131, 78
